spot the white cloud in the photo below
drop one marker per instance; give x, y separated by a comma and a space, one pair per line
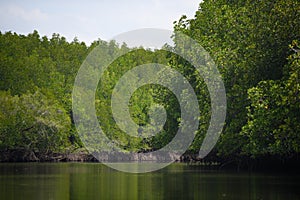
27, 15
92, 19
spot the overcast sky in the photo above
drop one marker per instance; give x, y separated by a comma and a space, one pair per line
90, 20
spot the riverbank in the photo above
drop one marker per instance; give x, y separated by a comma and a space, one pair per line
81, 155
21, 155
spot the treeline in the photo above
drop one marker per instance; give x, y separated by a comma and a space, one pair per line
37, 75
255, 45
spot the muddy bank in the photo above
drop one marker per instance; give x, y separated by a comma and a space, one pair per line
81, 155
20, 155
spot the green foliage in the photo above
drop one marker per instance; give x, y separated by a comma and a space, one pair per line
29, 64
140, 102
33, 122
250, 42
273, 116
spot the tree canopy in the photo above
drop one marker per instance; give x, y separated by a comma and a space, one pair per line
255, 45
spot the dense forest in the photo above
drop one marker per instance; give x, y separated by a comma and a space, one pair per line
255, 45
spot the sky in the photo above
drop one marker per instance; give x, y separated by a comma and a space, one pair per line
91, 20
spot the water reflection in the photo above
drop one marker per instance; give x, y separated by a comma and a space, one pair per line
178, 181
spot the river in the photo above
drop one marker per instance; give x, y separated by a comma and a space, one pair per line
39, 181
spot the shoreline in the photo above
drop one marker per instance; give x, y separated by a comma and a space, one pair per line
81, 155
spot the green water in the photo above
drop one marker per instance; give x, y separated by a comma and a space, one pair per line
178, 181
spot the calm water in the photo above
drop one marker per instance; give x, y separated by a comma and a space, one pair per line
178, 181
